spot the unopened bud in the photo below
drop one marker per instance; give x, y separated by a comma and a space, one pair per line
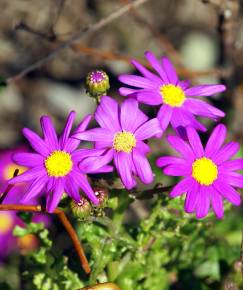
82, 209
97, 83
102, 196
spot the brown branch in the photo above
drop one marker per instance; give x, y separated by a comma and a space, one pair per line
50, 36
79, 249
76, 38
65, 222
187, 73
149, 193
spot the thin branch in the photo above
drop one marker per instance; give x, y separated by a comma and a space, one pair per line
149, 193
47, 36
79, 249
185, 72
57, 16
65, 222
76, 38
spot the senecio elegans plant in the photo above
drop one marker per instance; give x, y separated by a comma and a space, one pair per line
135, 258
57, 166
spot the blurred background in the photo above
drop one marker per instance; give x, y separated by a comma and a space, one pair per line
203, 38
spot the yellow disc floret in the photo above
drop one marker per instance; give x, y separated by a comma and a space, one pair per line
124, 141
172, 95
204, 171
6, 222
59, 163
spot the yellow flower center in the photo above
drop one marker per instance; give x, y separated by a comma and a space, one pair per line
58, 164
172, 95
204, 171
124, 141
6, 222
10, 169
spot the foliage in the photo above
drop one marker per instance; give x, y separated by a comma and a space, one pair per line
163, 251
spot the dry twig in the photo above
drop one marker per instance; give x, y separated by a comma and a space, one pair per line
76, 38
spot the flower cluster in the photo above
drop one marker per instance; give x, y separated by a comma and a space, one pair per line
58, 165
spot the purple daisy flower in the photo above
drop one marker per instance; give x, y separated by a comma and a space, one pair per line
178, 105
209, 173
122, 132
53, 169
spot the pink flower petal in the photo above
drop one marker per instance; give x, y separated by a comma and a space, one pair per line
131, 117
143, 167
123, 163
195, 142
178, 169
29, 175
192, 197
142, 147
83, 183
156, 65
217, 204
136, 81
96, 134
203, 109
215, 140
49, 132
183, 118
181, 187
231, 165
67, 129
28, 159
146, 73
205, 90
164, 116
148, 129
36, 142
94, 163
169, 160
107, 114
226, 152
203, 202
123, 91
182, 147
227, 192
170, 71
54, 198
35, 188
149, 97
72, 188
72, 143
232, 178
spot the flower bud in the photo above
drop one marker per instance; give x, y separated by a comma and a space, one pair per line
102, 196
97, 83
82, 209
